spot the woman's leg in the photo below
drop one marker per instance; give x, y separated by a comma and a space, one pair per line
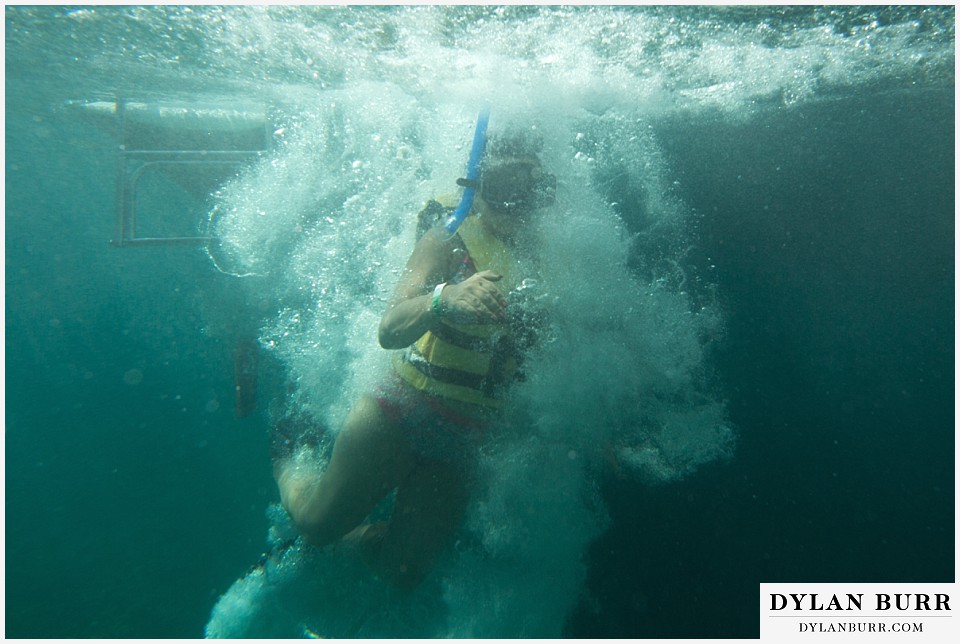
430, 505
370, 458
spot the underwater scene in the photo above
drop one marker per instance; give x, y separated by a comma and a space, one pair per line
741, 287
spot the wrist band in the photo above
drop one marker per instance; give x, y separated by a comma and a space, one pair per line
436, 304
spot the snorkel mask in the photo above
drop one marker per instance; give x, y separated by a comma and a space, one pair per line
519, 185
510, 178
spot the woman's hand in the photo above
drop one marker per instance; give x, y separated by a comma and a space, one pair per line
476, 299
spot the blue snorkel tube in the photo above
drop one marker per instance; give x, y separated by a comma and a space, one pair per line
473, 174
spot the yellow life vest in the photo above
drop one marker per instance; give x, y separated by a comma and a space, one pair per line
469, 363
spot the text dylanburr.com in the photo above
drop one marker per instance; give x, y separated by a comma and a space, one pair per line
869, 612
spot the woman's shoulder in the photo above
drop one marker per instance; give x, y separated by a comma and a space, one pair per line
435, 212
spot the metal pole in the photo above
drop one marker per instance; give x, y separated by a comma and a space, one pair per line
119, 210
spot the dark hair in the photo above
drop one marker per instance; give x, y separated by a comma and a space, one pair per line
514, 141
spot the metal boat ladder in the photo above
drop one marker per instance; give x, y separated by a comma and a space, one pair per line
137, 158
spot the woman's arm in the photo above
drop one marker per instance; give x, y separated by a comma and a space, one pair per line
410, 314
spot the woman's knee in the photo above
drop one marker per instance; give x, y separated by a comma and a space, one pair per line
317, 522
364, 467
298, 486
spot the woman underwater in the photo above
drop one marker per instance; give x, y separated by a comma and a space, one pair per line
459, 343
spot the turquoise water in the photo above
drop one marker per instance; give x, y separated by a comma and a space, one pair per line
751, 287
